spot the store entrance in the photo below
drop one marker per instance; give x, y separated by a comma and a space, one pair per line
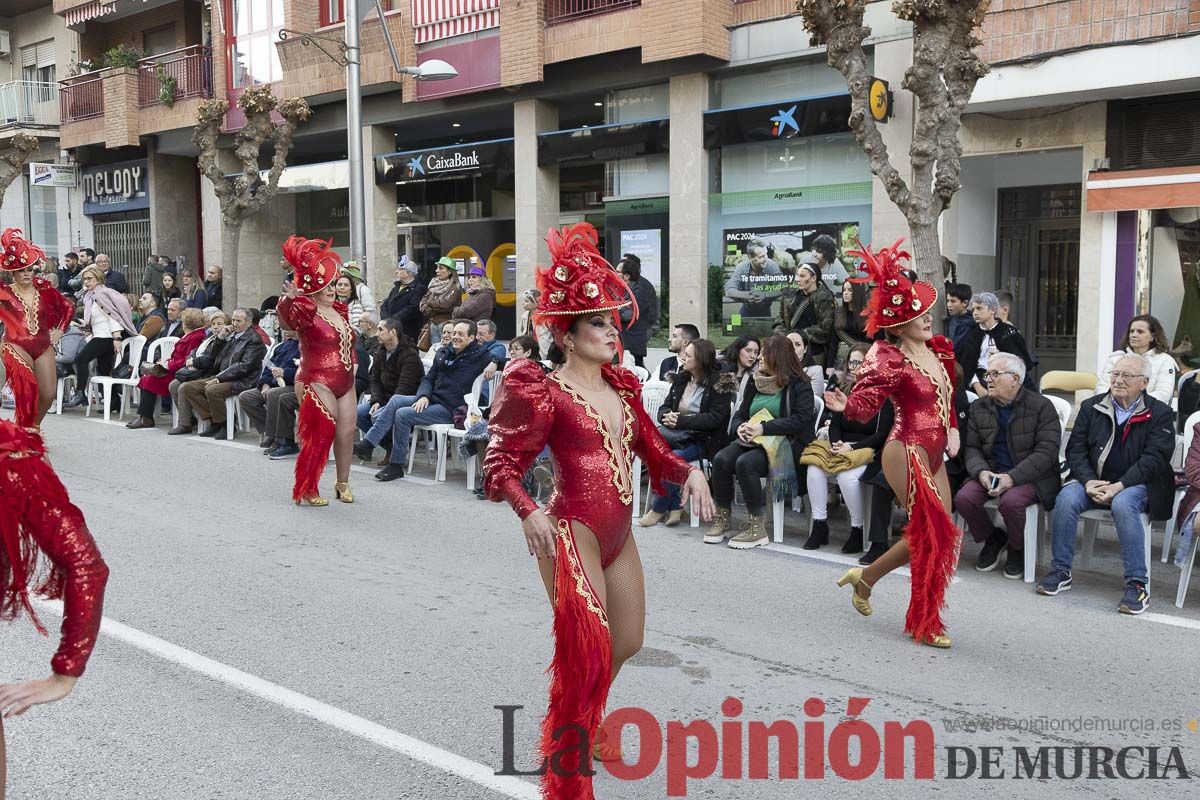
1038, 254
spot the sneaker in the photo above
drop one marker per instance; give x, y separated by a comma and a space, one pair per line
989, 556
754, 535
721, 528
390, 473
285, 451
1014, 565
75, 402
877, 549
363, 450
1057, 581
1136, 598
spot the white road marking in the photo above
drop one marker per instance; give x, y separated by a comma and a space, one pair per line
1168, 619
314, 709
833, 558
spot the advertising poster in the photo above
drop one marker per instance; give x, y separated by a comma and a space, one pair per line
760, 267
646, 245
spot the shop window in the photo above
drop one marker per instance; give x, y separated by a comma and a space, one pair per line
251, 54
334, 11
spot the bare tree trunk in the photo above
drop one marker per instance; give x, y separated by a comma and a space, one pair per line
231, 234
13, 164
927, 258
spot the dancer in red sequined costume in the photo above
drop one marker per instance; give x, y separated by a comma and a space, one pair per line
916, 371
590, 414
38, 519
36, 314
325, 380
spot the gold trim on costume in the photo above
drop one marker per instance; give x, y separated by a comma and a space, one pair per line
621, 479
345, 340
583, 586
316, 398
31, 313
943, 401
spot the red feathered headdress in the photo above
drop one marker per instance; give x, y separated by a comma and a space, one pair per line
896, 298
19, 253
314, 263
578, 280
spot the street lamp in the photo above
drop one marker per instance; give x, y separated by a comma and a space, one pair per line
349, 55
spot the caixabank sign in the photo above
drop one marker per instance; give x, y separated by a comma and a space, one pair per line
110, 188
444, 162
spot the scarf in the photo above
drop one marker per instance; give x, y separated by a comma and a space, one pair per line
439, 286
765, 384
781, 473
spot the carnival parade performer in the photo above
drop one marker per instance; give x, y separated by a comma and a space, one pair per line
325, 380
36, 315
37, 519
916, 371
590, 414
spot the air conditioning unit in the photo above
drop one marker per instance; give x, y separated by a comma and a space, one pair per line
5, 45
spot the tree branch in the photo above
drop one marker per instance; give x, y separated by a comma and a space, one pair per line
12, 165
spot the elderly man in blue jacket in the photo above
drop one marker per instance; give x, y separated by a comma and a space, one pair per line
454, 371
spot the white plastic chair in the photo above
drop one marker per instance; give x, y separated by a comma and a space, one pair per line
654, 394
473, 412
235, 418
1092, 520
158, 351
1188, 431
442, 432
131, 353
1064, 414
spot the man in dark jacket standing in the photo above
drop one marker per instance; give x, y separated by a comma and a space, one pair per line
403, 303
635, 338
1010, 450
238, 365
454, 371
1120, 458
396, 373
809, 310
988, 337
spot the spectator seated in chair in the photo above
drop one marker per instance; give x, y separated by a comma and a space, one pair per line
155, 381
197, 366
238, 362
1010, 449
693, 419
449, 379
271, 404
485, 334
1119, 454
396, 373
988, 337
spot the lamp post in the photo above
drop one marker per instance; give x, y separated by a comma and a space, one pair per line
349, 55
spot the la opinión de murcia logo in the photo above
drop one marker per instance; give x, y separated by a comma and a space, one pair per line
853, 749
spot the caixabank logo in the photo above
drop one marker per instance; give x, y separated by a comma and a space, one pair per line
739, 748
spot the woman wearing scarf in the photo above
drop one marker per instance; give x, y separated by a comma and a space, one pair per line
481, 297
809, 310
107, 315
442, 296
774, 424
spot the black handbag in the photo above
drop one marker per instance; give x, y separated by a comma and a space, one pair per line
185, 374
123, 372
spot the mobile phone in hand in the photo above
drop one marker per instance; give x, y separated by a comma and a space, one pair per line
995, 483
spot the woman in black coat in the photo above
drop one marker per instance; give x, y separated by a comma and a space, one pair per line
692, 419
783, 388
635, 337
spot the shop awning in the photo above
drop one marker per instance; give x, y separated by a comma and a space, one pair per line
80, 15
441, 19
1132, 190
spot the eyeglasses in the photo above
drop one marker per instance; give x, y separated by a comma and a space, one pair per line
993, 374
1125, 376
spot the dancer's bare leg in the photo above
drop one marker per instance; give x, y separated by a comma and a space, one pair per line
625, 585
346, 414
47, 379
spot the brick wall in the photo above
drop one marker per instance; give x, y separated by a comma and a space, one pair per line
696, 28
522, 41
605, 33
101, 36
1016, 29
120, 108
307, 71
759, 10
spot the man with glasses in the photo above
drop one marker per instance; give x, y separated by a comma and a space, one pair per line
1010, 451
1120, 458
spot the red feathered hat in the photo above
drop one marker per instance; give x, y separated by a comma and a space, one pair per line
314, 263
578, 281
896, 299
19, 253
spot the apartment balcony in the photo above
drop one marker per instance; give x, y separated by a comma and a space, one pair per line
117, 106
559, 11
581, 28
28, 106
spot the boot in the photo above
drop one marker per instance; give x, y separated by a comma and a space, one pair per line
651, 518
877, 549
818, 536
721, 527
855, 543
754, 535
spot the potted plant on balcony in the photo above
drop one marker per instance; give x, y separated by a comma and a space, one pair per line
167, 86
123, 56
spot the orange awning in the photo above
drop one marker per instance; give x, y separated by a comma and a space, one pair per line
1132, 190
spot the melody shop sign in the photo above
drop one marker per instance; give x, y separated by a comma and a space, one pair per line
115, 187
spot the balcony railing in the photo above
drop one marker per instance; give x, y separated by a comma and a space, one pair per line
81, 98
28, 103
567, 10
190, 67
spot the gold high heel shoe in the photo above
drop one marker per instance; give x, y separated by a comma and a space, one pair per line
854, 577
342, 490
935, 640
315, 501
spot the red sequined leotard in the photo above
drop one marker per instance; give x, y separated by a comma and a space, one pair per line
37, 516
591, 464
29, 327
326, 352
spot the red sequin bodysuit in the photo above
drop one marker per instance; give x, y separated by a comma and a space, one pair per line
37, 517
28, 327
924, 415
326, 353
592, 486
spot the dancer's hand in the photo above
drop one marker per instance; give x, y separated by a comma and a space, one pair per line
695, 488
952, 442
539, 534
16, 698
835, 400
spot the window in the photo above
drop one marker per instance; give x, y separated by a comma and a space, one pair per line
159, 41
37, 62
251, 51
334, 11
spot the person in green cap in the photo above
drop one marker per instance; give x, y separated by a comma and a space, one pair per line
442, 297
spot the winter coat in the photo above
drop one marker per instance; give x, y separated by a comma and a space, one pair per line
1033, 436
403, 304
712, 421
635, 338
213, 290
452, 374
1149, 443
811, 313
153, 324
1163, 374
179, 356
1008, 340
397, 374
957, 327
440, 300
480, 304
152, 279
797, 416
199, 298
239, 360
283, 356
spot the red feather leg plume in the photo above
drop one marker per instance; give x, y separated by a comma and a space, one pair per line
17, 252
579, 280
933, 543
315, 265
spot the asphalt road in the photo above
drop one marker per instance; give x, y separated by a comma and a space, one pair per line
267, 651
